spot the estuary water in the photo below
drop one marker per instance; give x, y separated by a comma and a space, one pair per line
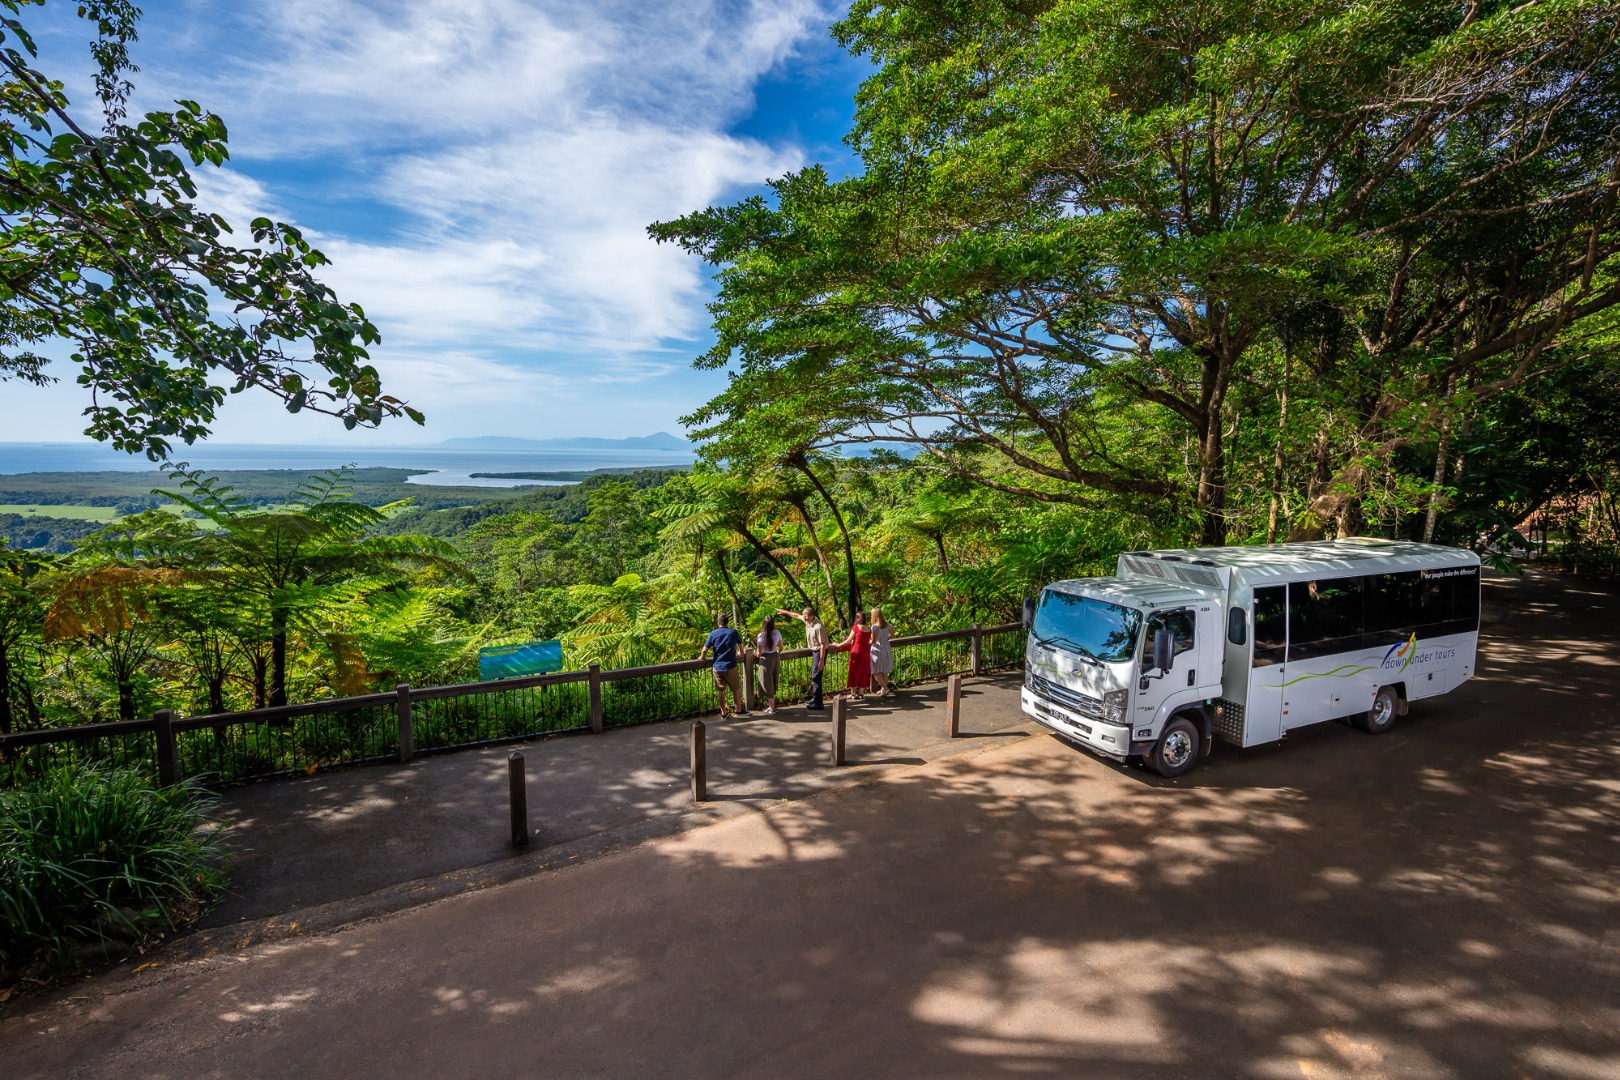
431, 465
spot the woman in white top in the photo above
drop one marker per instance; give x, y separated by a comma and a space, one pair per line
768, 647
882, 654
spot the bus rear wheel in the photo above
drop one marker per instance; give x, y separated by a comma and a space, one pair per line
1177, 750
1386, 705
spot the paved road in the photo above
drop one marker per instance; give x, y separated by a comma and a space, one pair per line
1437, 902
374, 839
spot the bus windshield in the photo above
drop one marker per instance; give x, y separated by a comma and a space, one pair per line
1096, 628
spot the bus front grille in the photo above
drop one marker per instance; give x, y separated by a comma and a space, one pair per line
1063, 696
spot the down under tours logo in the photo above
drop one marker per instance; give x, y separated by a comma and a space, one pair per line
1400, 654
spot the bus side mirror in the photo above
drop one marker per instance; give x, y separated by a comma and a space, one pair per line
1164, 646
1029, 612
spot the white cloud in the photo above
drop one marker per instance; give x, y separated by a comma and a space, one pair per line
481, 174
522, 149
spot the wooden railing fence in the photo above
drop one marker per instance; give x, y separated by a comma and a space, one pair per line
230, 748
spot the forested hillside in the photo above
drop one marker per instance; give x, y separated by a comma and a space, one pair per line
1118, 275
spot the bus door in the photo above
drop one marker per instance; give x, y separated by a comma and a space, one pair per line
1268, 671
1182, 626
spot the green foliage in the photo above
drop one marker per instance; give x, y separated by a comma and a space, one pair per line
93, 856
1090, 238
633, 622
107, 248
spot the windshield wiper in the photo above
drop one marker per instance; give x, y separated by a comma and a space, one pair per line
1080, 650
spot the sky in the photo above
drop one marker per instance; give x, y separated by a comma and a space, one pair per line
481, 175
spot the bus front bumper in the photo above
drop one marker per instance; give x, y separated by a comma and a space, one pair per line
1109, 740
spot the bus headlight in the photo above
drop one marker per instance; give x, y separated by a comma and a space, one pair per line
1114, 705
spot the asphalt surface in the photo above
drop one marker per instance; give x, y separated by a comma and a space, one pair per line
1440, 901
382, 832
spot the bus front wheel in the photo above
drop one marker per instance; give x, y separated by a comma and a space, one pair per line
1176, 752
1380, 718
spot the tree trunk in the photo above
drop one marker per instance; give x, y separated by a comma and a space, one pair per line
1279, 458
126, 698
260, 666
1211, 499
803, 507
1432, 517
758, 545
216, 692
944, 563
278, 657
29, 703
852, 583
731, 590
5, 690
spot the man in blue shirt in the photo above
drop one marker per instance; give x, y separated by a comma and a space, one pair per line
726, 644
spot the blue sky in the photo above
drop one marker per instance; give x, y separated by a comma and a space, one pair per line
482, 174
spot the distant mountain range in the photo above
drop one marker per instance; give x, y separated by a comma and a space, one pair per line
663, 440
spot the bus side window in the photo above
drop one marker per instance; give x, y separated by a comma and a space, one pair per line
1394, 607
1326, 616
1465, 602
1237, 627
1270, 626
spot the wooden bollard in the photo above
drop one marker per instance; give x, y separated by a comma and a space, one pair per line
595, 679
168, 756
518, 784
407, 728
700, 762
953, 706
838, 731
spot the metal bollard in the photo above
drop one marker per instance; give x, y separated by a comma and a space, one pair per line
953, 706
520, 799
838, 731
700, 762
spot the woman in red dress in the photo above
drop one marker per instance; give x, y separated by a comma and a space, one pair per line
859, 644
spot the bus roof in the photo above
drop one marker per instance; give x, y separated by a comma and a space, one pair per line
1355, 555
1131, 592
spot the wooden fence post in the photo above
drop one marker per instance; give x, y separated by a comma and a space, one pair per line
977, 653
953, 706
167, 757
596, 695
517, 784
748, 682
838, 731
407, 727
700, 762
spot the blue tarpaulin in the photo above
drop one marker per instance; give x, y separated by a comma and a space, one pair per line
528, 658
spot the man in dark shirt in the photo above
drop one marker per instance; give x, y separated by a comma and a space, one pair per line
726, 644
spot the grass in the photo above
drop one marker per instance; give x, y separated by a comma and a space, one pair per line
64, 512
95, 861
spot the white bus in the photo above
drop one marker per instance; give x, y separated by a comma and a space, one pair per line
1248, 643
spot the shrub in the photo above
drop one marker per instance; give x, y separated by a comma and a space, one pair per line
95, 859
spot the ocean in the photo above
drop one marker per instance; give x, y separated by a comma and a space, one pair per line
438, 465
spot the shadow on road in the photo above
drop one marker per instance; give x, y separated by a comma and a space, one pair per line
345, 834
1440, 901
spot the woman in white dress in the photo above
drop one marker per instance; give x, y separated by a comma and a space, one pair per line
882, 654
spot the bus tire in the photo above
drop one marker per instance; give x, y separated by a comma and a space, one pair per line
1177, 750
1380, 718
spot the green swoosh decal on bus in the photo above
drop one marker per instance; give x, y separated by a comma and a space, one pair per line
1343, 671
